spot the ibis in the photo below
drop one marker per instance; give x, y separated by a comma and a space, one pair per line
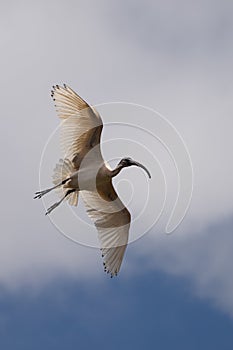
83, 171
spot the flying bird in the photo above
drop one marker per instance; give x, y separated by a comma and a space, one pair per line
84, 171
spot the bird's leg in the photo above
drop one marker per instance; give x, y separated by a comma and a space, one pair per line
40, 194
57, 203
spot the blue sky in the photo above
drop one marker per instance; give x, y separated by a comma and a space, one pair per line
173, 290
152, 310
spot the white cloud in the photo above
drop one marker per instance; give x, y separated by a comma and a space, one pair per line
176, 59
204, 258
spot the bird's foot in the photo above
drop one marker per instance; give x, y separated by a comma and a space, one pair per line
52, 208
40, 194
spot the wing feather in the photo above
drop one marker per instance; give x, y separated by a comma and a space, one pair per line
80, 123
112, 220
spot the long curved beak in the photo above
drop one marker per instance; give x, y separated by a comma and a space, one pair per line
141, 166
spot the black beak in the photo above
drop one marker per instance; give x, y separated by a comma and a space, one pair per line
133, 162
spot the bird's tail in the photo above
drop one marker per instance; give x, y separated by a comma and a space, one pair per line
63, 169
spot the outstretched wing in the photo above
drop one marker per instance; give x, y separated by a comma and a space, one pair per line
81, 124
112, 221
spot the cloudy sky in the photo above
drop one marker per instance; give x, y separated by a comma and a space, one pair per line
174, 57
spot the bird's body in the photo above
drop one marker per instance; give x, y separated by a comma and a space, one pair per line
83, 170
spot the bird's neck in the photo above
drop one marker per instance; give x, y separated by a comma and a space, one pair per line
116, 170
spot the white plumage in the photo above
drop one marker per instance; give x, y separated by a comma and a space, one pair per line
83, 170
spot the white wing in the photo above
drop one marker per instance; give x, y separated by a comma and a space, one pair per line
112, 221
81, 125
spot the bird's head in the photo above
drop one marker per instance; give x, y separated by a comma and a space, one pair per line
126, 162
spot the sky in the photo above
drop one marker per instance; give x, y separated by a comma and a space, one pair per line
130, 59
